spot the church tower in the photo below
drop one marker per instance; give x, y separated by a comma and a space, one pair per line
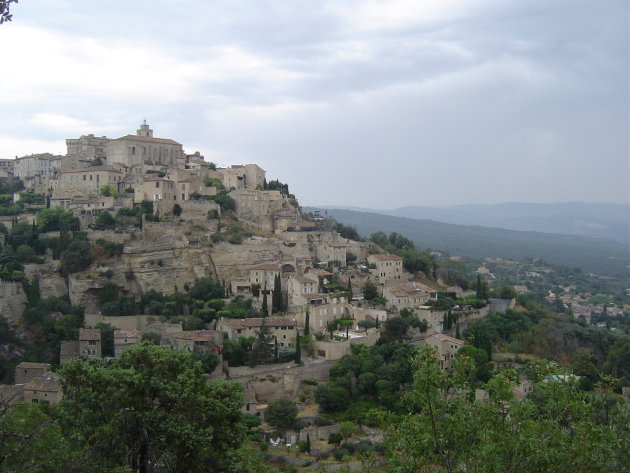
144, 130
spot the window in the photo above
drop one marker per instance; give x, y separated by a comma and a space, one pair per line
84, 177
91, 342
157, 184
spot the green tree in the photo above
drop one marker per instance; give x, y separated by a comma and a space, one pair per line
264, 308
347, 429
105, 221
177, 210
151, 406
298, 348
559, 428
56, 219
307, 322
77, 257
276, 298
262, 351
370, 291
108, 191
281, 413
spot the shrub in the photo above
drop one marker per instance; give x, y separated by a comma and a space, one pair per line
340, 453
77, 257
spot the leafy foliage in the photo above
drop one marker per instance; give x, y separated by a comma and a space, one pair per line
152, 405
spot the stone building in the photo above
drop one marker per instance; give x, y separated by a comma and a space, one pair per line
26, 371
298, 286
386, 266
91, 179
447, 347
87, 346
45, 390
243, 176
124, 339
144, 149
282, 328
407, 294
265, 274
87, 148
334, 253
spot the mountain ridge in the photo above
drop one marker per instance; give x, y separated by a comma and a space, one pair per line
591, 254
605, 220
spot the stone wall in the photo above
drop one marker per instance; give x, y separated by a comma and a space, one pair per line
271, 382
126, 322
335, 350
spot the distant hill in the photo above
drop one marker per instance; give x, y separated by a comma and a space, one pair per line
600, 220
598, 255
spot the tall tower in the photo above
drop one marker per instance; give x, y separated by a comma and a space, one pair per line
144, 130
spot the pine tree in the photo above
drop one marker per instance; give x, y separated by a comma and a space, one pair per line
307, 321
298, 349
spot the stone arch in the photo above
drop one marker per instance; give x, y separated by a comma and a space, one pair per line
288, 268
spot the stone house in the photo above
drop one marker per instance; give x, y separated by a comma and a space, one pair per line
87, 346
297, 286
447, 347
44, 390
154, 188
91, 204
282, 328
407, 294
265, 274
124, 339
91, 179
386, 266
26, 371
202, 340
334, 253
238, 176
322, 309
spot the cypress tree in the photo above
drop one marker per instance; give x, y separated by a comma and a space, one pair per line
265, 309
307, 321
457, 334
298, 349
277, 295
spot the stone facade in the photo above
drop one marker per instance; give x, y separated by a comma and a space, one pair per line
386, 266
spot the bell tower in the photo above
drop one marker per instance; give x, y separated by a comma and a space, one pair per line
144, 130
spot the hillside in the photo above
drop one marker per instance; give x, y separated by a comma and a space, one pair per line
600, 220
590, 254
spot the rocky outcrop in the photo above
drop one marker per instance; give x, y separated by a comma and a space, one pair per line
12, 300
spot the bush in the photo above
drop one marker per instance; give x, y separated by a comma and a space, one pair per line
110, 249
340, 453
322, 421
77, 257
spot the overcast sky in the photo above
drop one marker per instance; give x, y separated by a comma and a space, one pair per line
372, 103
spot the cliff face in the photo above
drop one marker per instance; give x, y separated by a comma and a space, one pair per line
12, 300
165, 257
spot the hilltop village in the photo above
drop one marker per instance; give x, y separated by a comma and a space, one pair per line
258, 269
127, 256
